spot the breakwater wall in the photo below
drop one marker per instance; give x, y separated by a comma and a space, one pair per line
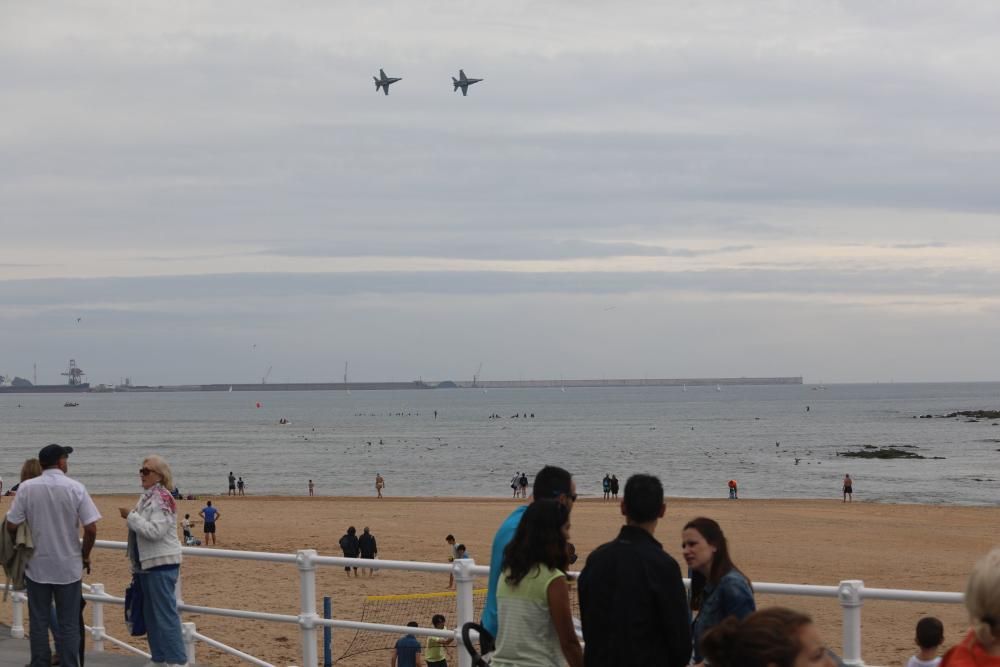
482, 384
630, 382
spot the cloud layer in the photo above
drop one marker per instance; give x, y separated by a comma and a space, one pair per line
177, 167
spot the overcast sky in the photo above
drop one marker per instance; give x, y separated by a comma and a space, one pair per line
650, 189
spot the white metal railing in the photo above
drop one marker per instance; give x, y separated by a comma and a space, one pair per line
851, 595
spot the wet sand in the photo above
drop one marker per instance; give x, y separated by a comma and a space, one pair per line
790, 541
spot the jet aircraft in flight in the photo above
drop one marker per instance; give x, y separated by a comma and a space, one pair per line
463, 82
384, 81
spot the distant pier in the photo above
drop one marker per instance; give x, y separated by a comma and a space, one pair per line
629, 382
479, 384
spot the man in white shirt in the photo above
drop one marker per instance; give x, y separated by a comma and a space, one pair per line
55, 506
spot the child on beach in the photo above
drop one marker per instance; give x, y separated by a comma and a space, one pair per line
930, 636
186, 525
436, 656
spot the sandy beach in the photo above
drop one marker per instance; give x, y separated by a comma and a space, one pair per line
815, 542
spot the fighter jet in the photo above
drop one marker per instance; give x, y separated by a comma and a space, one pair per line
384, 81
463, 82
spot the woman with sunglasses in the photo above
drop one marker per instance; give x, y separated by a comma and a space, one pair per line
155, 553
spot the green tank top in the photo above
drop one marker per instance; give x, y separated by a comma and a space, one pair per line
527, 637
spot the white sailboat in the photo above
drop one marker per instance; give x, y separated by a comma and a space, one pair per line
345, 379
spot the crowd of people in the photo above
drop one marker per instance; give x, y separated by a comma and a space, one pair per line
634, 608
44, 555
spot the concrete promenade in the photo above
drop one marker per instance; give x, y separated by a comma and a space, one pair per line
16, 653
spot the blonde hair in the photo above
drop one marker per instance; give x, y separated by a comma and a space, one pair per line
32, 468
158, 465
982, 598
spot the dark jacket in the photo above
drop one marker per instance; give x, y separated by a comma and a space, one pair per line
349, 543
633, 604
367, 545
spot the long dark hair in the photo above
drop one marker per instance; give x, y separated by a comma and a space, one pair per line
722, 564
768, 637
538, 541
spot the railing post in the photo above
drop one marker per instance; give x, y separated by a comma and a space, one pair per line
17, 615
307, 605
97, 619
849, 594
464, 582
187, 632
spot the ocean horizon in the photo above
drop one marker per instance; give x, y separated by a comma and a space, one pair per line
777, 441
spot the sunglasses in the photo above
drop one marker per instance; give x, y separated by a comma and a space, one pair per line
145, 471
571, 496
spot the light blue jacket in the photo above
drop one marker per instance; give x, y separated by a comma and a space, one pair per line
504, 535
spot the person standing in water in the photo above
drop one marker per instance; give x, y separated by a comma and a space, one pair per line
379, 484
848, 489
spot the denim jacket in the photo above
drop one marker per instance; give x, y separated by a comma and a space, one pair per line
732, 596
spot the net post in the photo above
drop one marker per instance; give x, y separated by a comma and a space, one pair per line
305, 560
849, 594
327, 632
464, 582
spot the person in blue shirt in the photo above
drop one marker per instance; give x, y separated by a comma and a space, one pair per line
407, 651
210, 515
718, 588
551, 483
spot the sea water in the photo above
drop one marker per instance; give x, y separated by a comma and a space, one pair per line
776, 441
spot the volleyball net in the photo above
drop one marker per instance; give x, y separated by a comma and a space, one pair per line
400, 610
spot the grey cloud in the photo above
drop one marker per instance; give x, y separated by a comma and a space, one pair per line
504, 248
265, 128
185, 289
243, 125
919, 246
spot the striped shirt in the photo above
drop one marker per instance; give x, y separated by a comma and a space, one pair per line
527, 637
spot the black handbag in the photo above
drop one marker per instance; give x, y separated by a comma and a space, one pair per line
133, 608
